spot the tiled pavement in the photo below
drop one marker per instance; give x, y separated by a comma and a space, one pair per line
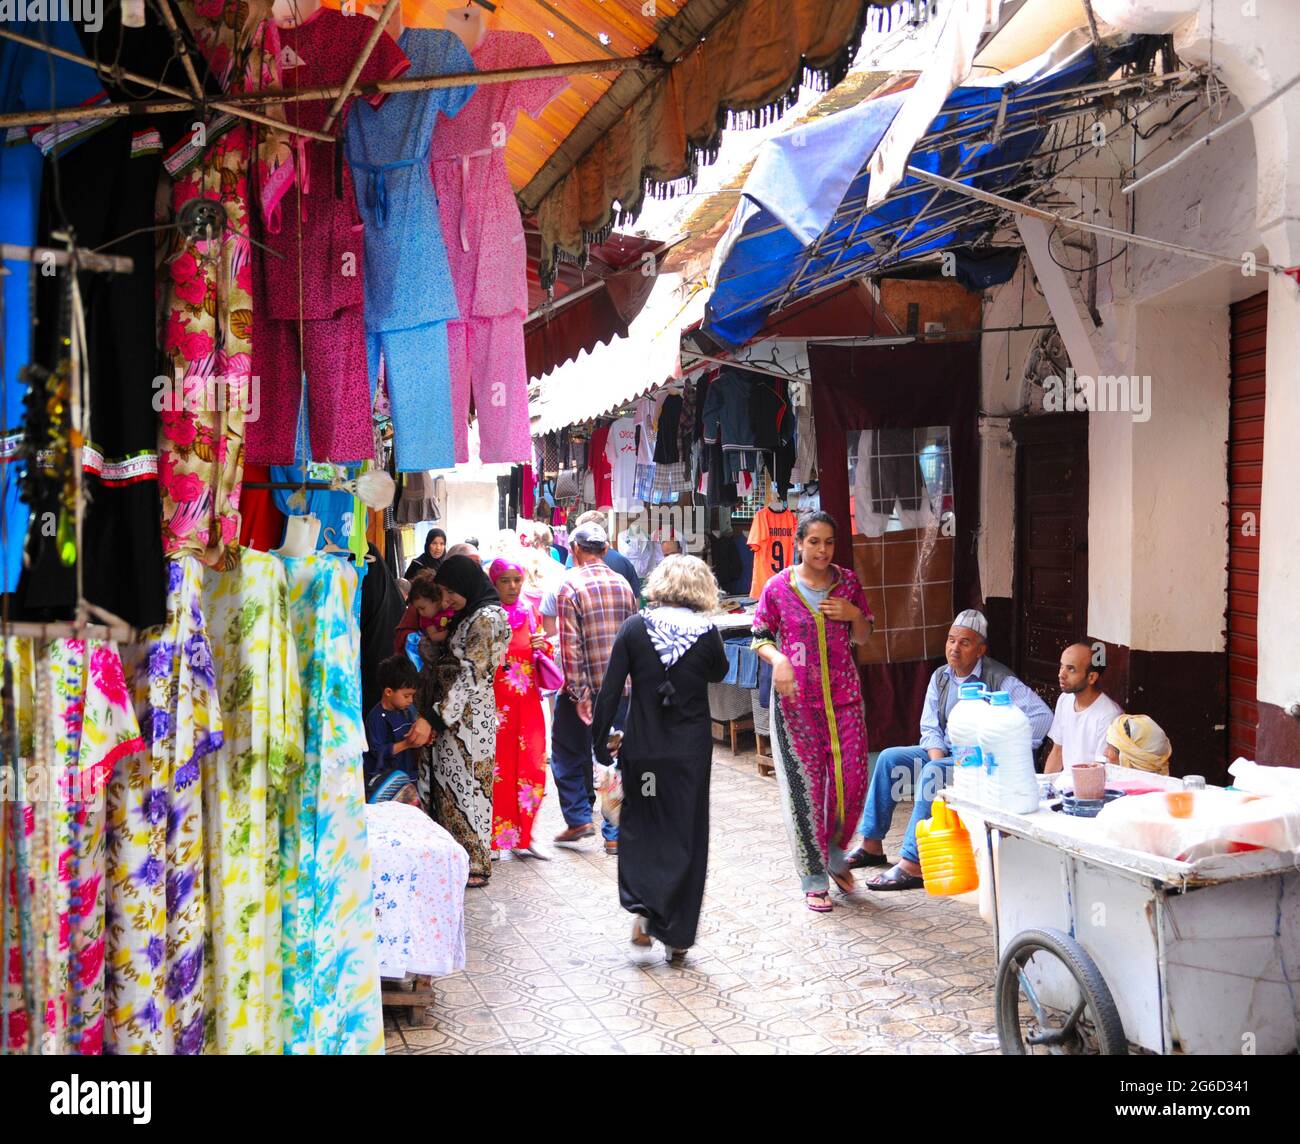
550, 968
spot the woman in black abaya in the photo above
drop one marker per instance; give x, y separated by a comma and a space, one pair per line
430, 560
671, 651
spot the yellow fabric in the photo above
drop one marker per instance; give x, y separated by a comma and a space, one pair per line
1141, 743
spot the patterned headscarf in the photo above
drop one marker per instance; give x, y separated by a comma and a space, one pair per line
1141, 743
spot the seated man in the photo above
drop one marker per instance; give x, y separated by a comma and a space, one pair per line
896, 767
1083, 712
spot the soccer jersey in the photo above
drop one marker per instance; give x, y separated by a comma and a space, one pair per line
771, 536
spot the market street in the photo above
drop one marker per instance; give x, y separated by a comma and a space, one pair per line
550, 968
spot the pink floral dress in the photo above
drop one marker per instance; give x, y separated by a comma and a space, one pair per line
519, 777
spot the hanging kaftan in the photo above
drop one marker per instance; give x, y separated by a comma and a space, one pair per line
409, 293
244, 782
156, 890
486, 249
331, 968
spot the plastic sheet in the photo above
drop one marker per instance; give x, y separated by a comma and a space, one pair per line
1220, 822
1257, 779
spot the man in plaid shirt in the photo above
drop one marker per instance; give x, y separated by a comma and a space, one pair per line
591, 606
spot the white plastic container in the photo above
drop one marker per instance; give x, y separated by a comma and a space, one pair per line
964, 723
1007, 743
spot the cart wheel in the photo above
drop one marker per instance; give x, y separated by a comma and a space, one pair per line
1025, 1026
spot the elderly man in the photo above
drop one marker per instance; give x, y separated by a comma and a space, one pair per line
896, 767
591, 606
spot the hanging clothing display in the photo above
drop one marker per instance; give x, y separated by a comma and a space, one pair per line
772, 539
331, 970
423, 497
310, 292
887, 477
486, 250
207, 313
244, 796
620, 452
409, 293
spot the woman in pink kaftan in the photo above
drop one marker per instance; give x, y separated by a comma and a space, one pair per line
805, 625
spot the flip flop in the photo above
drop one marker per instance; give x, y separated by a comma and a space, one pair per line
819, 901
861, 858
896, 878
476, 881
848, 885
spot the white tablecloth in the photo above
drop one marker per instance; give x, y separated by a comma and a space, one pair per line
419, 873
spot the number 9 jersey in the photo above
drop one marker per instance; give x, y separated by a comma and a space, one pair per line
771, 536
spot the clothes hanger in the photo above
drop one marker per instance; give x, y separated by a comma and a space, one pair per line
332, 549
469, 23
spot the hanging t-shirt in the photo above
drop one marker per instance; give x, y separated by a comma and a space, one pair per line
620, 451
1081, 735
602, 492
771, 536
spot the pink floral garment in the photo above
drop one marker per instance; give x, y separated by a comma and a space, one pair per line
419, 874
820, 749
207, 329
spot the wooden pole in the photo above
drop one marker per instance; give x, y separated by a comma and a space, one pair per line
117, 110
359, 63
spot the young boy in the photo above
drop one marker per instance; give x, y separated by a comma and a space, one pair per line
388, 769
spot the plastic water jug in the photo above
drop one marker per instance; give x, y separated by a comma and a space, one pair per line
1007, 743
964, 723
947, 860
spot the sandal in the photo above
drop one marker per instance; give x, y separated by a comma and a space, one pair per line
639, 936
861, 858
844, 880
476, 881
819, 901
673, 956
896, 878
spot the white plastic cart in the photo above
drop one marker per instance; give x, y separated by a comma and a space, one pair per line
1101, 948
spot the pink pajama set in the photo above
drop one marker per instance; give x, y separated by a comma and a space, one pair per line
484, 236
312, 296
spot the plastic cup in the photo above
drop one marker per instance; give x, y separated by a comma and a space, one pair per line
1089, 780
1179, 803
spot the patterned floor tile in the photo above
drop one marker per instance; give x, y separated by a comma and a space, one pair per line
550, 968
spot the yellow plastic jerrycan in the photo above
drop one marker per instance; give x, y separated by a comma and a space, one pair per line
947, 860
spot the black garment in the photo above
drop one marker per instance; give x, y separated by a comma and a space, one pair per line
774, 422
895, 471
465, 577
666, 759
424, 562
725, 559
667, 446
381, 610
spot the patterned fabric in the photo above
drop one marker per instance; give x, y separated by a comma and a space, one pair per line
591, 606
519, 779
75, 725
644, 483
331, 975
257, 677
458, 690
819, 734
419, 874
156, 893
674, 631
669, 477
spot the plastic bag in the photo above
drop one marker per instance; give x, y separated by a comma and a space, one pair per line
1257, 779
1221, 822
609, 784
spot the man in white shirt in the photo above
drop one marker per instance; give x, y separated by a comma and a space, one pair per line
1083, 712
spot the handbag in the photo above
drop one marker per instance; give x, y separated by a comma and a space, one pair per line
549, 675
567, 485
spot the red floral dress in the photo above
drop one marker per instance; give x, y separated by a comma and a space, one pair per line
519, 778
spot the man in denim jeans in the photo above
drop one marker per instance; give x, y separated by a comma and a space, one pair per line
896, 768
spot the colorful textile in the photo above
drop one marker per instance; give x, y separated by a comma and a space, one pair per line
331, 975
519, 779
591, 606
458, 698
419, 874
485, 247
315, 289
255, 664
156, 891
819, 734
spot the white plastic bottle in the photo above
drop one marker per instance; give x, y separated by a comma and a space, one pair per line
1007, 743
964, 723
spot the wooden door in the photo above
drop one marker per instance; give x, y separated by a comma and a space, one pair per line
1245, 479
1051, 540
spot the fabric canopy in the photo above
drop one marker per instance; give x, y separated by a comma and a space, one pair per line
803, 222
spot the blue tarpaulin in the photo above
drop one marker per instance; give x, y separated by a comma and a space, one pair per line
802, 225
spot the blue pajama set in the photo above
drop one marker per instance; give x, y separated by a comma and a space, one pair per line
410, 296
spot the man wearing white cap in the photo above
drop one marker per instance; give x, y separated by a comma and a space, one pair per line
896, 768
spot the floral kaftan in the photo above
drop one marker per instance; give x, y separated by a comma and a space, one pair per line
459, 690
519, 778
156, 892
331, 968
819, 735
244, 782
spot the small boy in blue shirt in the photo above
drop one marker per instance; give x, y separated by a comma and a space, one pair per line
388, 727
